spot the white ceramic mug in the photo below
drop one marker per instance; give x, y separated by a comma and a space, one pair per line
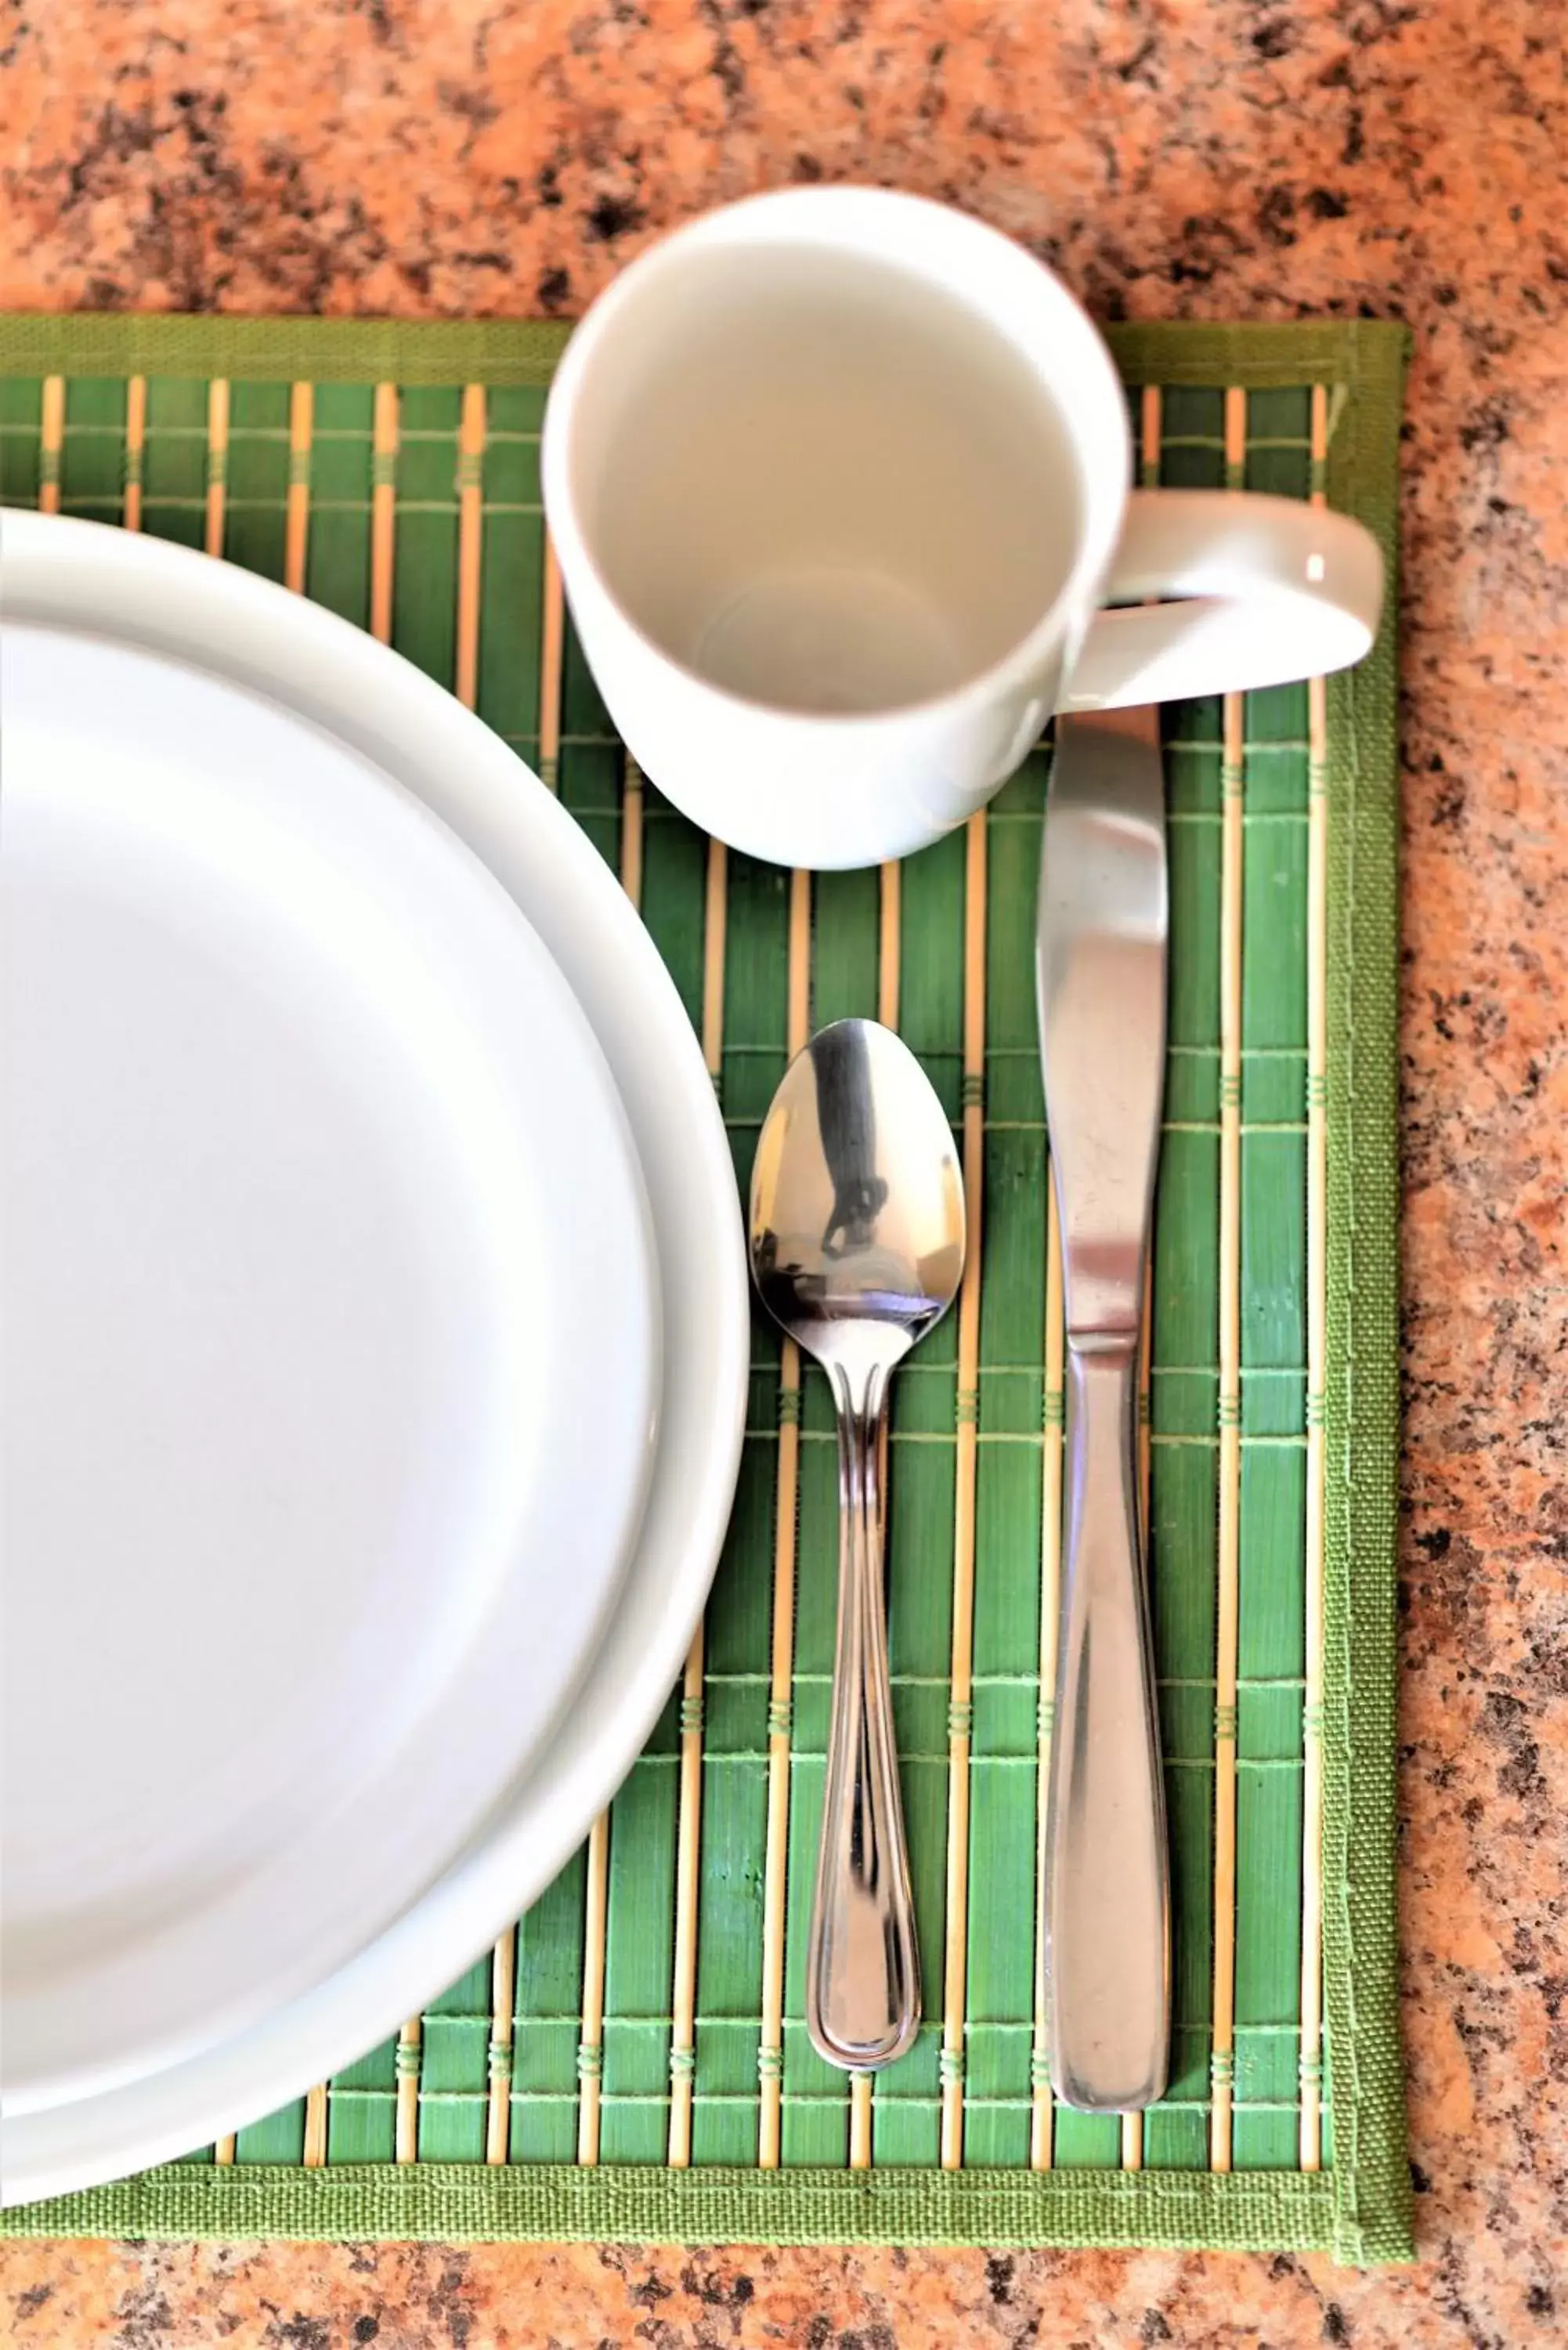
837, 479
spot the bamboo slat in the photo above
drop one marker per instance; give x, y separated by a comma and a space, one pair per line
596, 1926
553, 629
296, 536
632, 817
862, 2113
1052, 1465
406, 2116
383, 509
862, 2104
1149, 427
316, 2109
596, 1904
135, 449
961, 1699
1310, 2153
469, 571
470, 541
1230, 1453
890, 918
297, 515
51, 440
770, 2055
781, 1669
498, 2068
689, 1844
217, 466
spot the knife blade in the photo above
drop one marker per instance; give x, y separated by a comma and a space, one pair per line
1100, 968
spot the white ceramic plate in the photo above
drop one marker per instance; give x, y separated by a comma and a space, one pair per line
328, 1331
241, 626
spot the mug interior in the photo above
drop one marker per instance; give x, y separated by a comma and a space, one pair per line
816, 475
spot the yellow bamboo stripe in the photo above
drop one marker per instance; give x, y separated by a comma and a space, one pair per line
383, 533
955, 1965
1132, 2122
470, 536
470, 550
776, 1881
383, 510
503, 1996
684, 2032
1150, 422
1145, 1385
296, 517
887, 966
631, 825
861, 2110
689, 1846
51, 440
1223, 2062
1150, 425
135, 450
713, 942
470, 560
1311, 2144
217, 464
888, 977
554, 628
314, 2157
595, 1904
1041, 2111
595, 1921
406, 2128
314, 2152
224, 2151
797, 1001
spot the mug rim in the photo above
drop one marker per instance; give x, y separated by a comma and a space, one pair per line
1098, 538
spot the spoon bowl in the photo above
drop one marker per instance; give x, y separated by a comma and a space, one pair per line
858, 1208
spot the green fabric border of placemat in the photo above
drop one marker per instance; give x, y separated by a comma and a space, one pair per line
1372, 2215
1360, 2209
1246, 2210
1368, 356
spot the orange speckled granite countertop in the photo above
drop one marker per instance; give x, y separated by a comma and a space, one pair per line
1198, 157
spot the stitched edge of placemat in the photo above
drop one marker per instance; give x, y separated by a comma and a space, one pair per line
1368, 353
1245, 2211
1373, 2208
1361, 2209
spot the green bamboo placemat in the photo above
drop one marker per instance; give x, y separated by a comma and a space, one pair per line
632, 2060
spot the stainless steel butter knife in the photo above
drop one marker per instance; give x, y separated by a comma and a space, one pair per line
1101, 974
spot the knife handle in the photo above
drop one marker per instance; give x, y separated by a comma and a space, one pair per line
1108, 1896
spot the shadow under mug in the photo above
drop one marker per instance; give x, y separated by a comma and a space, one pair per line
838, 483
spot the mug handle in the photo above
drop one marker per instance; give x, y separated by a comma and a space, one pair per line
1254, 591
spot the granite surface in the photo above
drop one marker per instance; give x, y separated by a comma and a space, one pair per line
1197, 158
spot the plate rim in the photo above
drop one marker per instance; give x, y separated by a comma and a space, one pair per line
492, 799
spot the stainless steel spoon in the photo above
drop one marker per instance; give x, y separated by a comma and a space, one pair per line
857, 1248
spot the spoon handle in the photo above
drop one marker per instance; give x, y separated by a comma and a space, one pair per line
1106, 1897
863, 1972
